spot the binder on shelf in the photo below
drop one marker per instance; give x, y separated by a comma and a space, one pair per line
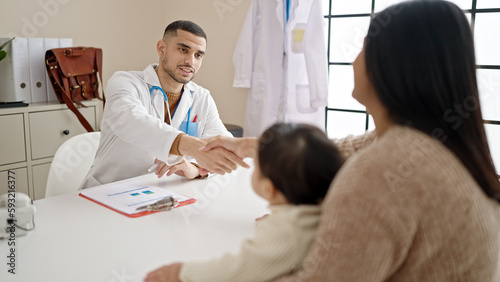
50, 43
15, 84
37, 70
135, 200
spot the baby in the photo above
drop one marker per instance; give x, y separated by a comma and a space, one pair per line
294, 167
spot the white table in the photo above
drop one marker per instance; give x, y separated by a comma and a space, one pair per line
78, 240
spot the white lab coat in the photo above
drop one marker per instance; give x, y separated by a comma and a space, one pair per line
133, 131
294, 89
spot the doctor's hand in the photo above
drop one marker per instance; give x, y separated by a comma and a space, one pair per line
165, 273
183, 168
242, 147
218, 160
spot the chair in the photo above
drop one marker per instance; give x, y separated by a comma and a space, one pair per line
236, 130
71, 163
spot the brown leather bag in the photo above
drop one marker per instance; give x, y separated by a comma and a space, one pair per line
73, 74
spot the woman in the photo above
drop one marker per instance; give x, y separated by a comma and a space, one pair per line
421, 202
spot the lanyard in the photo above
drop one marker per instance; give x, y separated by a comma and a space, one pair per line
187, 123
287, 4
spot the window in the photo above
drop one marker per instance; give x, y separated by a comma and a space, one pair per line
347, 23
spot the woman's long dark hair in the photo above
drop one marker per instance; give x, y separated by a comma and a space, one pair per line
420, 60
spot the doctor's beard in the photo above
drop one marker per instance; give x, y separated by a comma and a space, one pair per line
178, 78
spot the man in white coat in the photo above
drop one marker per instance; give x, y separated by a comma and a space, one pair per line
160, 115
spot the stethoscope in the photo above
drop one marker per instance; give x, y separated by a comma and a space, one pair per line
168, 108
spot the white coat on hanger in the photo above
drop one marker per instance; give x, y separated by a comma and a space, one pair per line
284, 63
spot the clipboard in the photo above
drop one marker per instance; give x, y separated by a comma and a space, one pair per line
127, 199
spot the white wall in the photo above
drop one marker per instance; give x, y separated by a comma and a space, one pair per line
127, 31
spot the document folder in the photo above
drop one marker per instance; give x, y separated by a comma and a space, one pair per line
50, 43
15, 85
37, 70
131, 199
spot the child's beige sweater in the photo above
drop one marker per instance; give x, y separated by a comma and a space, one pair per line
279, 246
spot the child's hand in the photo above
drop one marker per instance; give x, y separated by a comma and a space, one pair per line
259, 218
167, 273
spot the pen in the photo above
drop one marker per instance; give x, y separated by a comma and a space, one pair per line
166, 203
153, 167
194, 120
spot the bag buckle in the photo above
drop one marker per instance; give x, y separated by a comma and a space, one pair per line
74, 52
84, 95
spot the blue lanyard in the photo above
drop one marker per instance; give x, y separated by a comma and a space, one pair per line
287, 9
187, 123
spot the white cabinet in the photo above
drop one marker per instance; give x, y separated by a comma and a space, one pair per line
16, 179
29, 138
49, 129
12, 141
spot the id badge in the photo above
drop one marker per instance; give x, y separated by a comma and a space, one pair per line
298, 38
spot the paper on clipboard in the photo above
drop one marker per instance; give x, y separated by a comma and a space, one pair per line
125, 199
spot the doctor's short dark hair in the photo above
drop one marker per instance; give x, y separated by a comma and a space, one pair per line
188, 26
299, 160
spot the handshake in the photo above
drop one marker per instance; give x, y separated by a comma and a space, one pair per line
218, 154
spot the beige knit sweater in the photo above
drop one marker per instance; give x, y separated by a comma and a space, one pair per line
404, 209
281, 243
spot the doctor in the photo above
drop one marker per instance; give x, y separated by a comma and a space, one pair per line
159, 114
